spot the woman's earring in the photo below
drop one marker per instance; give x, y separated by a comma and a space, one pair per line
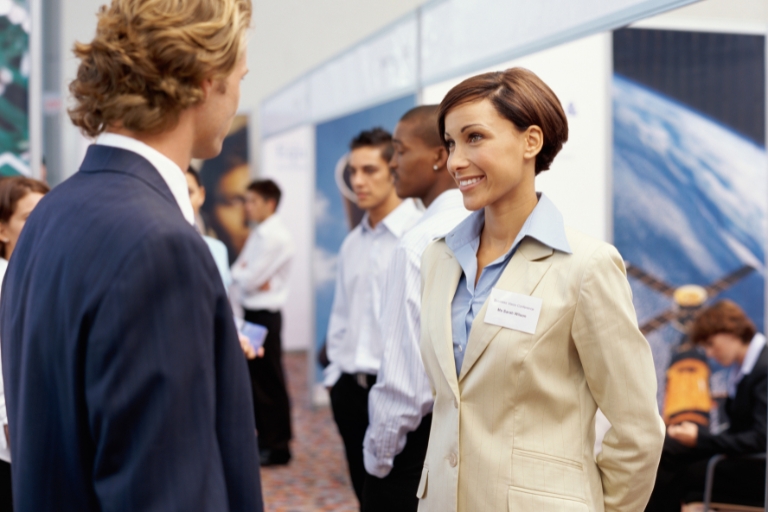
435, 167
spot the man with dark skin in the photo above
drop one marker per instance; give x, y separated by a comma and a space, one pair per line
400, 403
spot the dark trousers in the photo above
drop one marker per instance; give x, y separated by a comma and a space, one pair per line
397, 490
681, 477
6, 496
349, 401
270, 396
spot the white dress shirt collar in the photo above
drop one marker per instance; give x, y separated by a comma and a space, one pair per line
444, 201
753, 353
398, 221
171, 173
736, 372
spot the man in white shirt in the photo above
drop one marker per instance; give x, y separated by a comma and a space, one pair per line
400, 403
353, 330
260, 282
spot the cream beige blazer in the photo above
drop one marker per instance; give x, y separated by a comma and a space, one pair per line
515, 430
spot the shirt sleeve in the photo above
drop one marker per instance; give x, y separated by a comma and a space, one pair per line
254, 269
619, 370
337, 324
402, 395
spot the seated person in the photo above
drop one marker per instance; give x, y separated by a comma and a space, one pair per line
729, 337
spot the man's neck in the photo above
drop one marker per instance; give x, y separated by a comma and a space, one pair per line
380, 212
176, 143
440, 186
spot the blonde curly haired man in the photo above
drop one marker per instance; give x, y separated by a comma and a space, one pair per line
126, 386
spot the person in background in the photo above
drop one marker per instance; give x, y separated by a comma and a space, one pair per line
18, 197
260, 277
125, 383
400, 403
354, 328
729, 337
217, 248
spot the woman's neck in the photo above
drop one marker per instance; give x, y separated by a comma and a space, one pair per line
505, 218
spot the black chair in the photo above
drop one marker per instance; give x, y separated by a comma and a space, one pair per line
710, 479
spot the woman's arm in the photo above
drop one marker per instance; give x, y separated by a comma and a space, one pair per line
620, 373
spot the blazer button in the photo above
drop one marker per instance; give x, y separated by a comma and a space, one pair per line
452, 460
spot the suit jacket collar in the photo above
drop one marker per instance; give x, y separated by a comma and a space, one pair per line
110, 159
523, 273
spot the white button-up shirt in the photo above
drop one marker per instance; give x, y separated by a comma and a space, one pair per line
402, 395
266, 258
171, 173
354, 332
5, 450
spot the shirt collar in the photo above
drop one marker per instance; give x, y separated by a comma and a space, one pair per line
171, 173
753, 353
397, 222
447, 200
545, 224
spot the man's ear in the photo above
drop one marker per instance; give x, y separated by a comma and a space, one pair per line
207, 86
441, 157
202, 192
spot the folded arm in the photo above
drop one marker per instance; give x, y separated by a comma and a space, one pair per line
620, 373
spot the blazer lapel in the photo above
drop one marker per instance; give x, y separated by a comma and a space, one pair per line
522, 275
448, 274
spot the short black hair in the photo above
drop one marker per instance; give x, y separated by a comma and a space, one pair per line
267, 189
195, 175
425, 120
378, 138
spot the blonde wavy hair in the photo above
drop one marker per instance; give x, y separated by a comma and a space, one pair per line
149, 59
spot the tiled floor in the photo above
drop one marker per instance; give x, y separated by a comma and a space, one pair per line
316, 479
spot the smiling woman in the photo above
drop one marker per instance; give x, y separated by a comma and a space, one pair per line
528, 327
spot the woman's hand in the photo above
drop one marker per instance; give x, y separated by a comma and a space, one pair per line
685, 433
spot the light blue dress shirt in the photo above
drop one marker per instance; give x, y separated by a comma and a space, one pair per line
545, 224
221, 257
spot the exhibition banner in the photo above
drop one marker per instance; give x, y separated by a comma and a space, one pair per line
336, 213
690, 189
14, 88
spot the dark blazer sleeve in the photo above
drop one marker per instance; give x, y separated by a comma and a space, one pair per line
747, 441
169, 406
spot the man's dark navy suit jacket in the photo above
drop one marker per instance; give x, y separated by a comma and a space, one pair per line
126, 386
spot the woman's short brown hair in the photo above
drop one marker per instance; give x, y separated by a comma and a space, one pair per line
519, 96
13, 190
149, 59
724, 317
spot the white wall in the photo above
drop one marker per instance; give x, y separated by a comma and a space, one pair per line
289, 160
289, 38
578, 182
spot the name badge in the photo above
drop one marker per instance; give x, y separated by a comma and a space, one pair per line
513, 311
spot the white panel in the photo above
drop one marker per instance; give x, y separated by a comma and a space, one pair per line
289, 160
288, 108
579, 180
380, 68
461, 35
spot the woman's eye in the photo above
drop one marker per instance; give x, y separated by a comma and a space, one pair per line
450, 144
475, 137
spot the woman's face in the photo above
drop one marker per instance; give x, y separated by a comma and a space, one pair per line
490, 159
11, 230
230, 205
